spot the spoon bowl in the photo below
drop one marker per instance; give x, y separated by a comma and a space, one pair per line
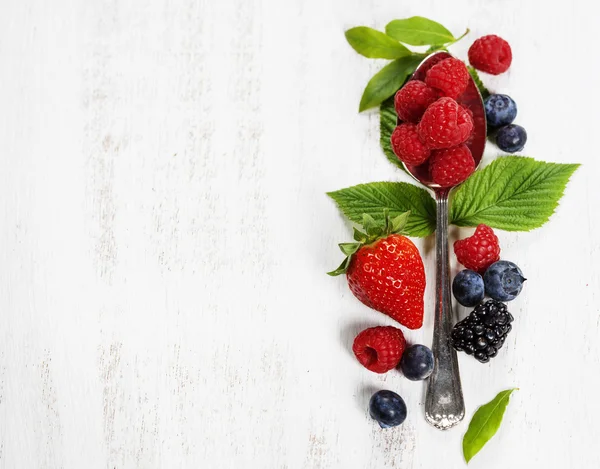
470, 99
444, 403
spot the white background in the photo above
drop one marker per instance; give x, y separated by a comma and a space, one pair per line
165, 236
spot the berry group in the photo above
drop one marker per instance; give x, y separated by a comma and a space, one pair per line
387, 408
413, 99
407, 145
445, 124
450, 76
479, 251
511, 138
468, 288
417, 362
484, 331
451, 166
379, 349
500, 110
503, 281
490, 54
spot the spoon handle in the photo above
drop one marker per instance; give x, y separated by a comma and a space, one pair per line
444, 404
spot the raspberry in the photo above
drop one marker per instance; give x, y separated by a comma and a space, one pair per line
445, 124
490, 54
483, 332
379, 349
451, 166
479, 251
450, 76
413, 99
408, 146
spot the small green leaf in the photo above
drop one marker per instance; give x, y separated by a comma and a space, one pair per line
388, 80
349, 248
397, 197
387, 124
480, 86
375, 44
400, 222
419, 31
342, 268
359, 236
368, 222
512, 193
485, 424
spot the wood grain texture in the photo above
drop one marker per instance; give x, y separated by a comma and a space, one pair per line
165, 234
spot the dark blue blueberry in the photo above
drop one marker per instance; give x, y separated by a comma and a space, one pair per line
417, 362
511, 138
468, 288
500, 110
503, 281
387, 408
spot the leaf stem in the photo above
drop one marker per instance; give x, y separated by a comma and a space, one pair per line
459, 38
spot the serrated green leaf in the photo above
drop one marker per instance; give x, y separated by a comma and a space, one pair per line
480, 86
485, 424
419, 31
388, 80
397, 197
387, 124
374, 44
512, 193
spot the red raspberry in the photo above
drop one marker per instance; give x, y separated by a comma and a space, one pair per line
408, 146
451, 166
413, 99
450, 76
479, 251
445, 124
379, 349
490, 54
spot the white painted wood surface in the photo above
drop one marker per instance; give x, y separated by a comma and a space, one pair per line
165, 233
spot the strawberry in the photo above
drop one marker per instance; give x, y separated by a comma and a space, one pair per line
385, 271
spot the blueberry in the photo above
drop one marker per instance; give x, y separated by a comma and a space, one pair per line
503, 281
468, 288
387, 408
500, 110
417, 362
511, 138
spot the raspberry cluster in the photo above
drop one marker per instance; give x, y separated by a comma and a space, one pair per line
434, 126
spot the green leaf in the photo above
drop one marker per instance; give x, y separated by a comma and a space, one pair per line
512, 193
387, 124
342, 268
388, 80
480, 86
371, 226
485, 424
349, 248
397, 197
419, 31
375, 44
399, 223
359, 236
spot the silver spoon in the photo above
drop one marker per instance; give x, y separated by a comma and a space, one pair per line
444, 403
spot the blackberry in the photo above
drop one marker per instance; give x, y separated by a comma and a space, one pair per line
484, 331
